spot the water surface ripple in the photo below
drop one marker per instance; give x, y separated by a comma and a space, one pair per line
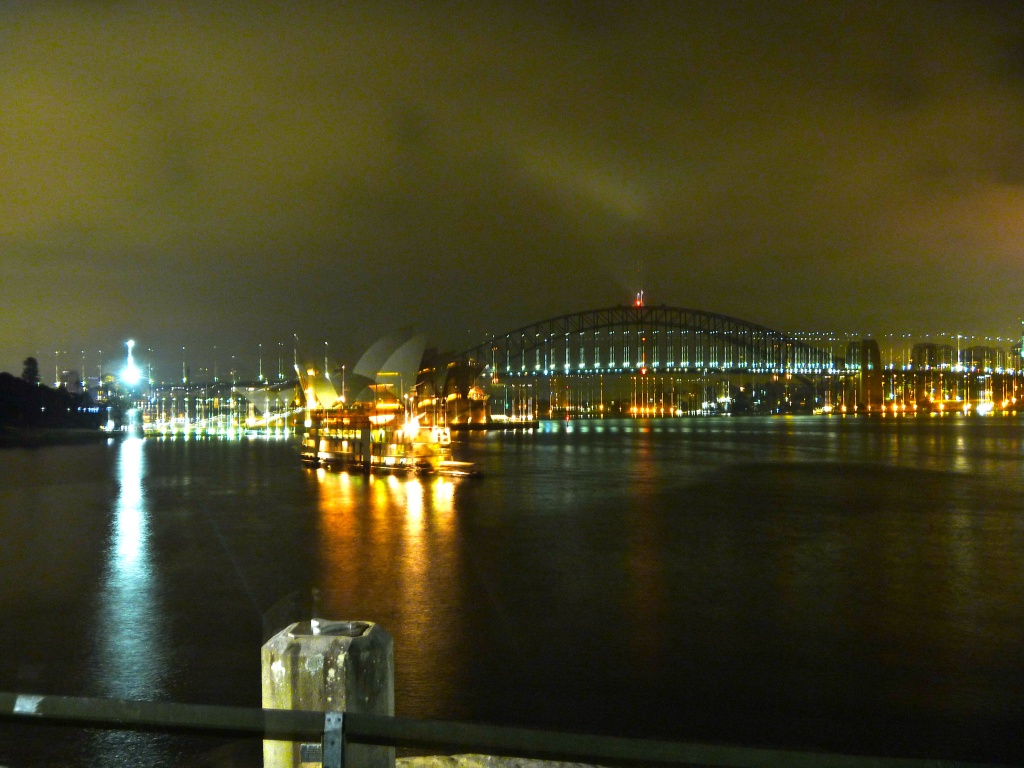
833, 584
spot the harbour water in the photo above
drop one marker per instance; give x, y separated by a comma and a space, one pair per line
852, 585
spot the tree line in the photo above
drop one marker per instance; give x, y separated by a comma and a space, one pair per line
26, 402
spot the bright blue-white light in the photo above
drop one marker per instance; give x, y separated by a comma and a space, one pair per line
131, 375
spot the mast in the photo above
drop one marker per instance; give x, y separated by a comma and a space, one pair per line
639, 301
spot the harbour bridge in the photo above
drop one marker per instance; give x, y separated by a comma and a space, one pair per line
626, 338
646, 360
659, 361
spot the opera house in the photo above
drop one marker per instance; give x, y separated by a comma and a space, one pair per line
398, 372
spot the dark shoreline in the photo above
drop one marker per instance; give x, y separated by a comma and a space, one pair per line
11, 437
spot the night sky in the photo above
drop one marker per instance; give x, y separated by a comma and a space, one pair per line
230, 174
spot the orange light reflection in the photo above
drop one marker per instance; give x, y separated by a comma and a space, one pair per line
390, 553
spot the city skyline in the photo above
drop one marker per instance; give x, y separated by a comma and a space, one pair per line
192, 175
275, 361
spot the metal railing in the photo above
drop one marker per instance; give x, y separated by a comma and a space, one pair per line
334, 729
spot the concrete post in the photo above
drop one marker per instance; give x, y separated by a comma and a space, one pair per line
329, 666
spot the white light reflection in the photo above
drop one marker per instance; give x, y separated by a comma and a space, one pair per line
131, 653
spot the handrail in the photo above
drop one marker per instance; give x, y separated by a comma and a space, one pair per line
381, 730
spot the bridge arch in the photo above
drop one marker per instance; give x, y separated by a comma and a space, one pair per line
649, 338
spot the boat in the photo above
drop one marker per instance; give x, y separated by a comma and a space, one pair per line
343, 438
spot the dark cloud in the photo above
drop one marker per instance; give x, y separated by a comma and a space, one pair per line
213, 173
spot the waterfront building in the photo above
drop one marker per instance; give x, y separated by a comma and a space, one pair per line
864, 391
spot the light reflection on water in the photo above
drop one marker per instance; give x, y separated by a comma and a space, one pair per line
846, 585
131, 660
403, 528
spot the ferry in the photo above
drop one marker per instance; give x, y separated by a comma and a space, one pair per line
340, 438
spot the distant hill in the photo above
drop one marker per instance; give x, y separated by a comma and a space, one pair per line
35, 406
